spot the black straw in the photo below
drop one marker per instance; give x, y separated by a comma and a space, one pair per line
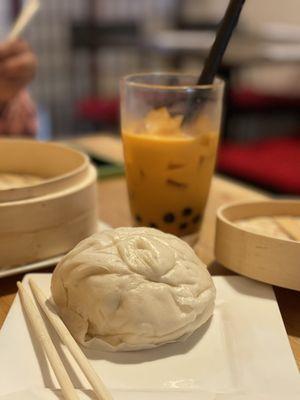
215, 56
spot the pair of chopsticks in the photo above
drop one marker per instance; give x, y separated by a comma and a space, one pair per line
44, 338
26, 15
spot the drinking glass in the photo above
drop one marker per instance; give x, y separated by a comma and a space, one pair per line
169, 160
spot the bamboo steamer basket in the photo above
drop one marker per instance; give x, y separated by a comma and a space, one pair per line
49, 218
258, 256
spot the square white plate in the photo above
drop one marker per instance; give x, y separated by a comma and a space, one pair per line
241, 353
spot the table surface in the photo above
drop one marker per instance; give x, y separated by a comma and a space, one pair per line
114, 210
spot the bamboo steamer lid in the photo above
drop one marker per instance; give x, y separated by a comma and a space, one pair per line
258, 255
48, 218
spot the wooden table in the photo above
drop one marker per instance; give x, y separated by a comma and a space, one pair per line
113, 209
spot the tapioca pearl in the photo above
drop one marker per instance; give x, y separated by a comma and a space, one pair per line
153, 225
138, 218
183, 226
196, 218
186, 212
169, 218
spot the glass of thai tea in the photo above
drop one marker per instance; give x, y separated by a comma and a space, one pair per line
169, 161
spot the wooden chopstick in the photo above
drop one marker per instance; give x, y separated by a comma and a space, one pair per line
43, 336
99, 388
289, 226
27, 13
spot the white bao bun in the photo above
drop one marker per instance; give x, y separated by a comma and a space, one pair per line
131, 289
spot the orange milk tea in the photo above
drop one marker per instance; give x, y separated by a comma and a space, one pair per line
168, 172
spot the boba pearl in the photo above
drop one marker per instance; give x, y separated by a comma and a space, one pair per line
196, 219
182, 226
138, 218
169, 218
187, 211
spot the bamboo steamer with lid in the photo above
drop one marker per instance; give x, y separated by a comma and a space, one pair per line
47, 218
257, 252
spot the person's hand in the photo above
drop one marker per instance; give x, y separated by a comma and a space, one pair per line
19, 117
17, 68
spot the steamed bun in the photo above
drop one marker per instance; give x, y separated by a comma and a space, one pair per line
131, 289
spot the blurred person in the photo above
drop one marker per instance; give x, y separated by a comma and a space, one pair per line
17, 69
